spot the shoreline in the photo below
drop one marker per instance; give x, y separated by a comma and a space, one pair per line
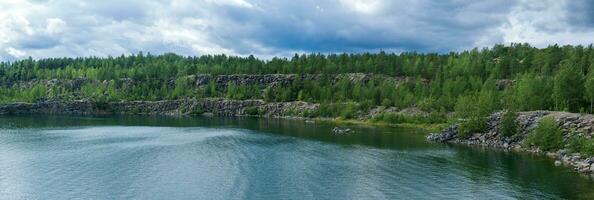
528, 121
278, 110
210, 107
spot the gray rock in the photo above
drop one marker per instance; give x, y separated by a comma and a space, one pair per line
528, 121
337, 130
446, 135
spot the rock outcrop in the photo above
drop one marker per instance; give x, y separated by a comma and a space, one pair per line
570, 124
207, 106
250, 79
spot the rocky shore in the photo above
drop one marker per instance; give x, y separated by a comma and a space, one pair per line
206, 106
193, 106
569, 123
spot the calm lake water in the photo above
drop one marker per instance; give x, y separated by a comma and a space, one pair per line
51, 157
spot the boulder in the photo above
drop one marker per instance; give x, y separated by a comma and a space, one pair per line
337, 130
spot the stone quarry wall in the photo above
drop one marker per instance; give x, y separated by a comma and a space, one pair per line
218, 107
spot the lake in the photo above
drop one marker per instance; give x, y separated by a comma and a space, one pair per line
59, 157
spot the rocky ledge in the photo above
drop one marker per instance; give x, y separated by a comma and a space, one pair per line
207, 106
192, 106
570, 123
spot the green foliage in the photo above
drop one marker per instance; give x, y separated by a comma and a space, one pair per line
547, 135
181, 88
568, 88
470, 126
509, 125
254, 110
472, 113
396, 118
242, 92
197, 110
466, 82
349, 111
589, 90
37, 92
582, 145
531, 85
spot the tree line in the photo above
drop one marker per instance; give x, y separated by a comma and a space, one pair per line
472, 83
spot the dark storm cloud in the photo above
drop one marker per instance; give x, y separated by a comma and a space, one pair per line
582, 13
280, 28
407, 25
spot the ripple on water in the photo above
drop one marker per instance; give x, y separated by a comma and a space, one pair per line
140, 162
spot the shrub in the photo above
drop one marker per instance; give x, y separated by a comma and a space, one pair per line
472, 125
329, 110
547, 135
387, 102
582, 145
474, 115
395, 118
509, 125
252, 110
349, 111
196, 111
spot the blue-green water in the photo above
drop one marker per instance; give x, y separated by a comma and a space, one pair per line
50, 157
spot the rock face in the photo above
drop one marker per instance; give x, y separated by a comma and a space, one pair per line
222, 81
219, 107
446, 135
570, 123
73, 107
249, 79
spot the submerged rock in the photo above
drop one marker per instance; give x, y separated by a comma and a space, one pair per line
337, 130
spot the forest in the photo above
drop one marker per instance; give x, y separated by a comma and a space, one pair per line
471, 84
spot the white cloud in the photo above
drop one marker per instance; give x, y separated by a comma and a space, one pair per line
363, 6
15, 52
57, 28
239, 3
544, 24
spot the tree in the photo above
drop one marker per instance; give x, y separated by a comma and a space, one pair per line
531, 92
473, 119
181, 85
589, 89
568, 88
534, 79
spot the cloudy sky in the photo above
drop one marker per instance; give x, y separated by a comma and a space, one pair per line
266, 28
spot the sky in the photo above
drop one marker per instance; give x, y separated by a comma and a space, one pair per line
268, 28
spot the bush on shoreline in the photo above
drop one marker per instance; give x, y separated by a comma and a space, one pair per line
396, 118
582, 145
547, 136
509, 125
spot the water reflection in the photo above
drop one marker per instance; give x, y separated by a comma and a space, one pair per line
57, 157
